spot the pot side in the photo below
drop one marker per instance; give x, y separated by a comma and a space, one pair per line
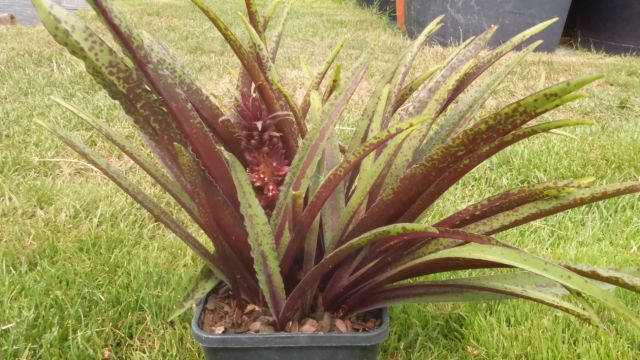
290, 346
466, 18
608, 25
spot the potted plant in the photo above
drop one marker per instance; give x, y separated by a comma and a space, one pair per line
471, 17
313, 237
610, 26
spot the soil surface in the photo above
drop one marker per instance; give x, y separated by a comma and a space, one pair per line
220, 316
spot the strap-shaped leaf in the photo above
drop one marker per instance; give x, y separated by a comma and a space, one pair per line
511, 199
335, 205
268, 14
624, 278
522, 285
116, 75
216, 221
138, 157
370, 169
407, 62
297, 178
263, 247
217, 184
430, 99
272, 75
210, 113
361, 132
398, 197
543, 208
173, 98
140, 197
333, 84
408, 90
267, 93
317, 80
335, 178
380, 258
488, 60
392, 232
524, 261
470, 104
255, 18
456, 172
279, 30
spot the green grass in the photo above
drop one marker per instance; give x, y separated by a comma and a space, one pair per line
85, 271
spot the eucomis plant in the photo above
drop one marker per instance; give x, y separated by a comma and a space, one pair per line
300, 220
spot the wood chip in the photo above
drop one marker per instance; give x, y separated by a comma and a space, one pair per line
371, 324
251, 308
341, 326
255, 326
218, 330
107, 354
349, 325
325, 323
292, 326
309, 326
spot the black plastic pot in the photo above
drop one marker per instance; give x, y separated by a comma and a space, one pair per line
612, 26
285, 346
386, 6
466, 18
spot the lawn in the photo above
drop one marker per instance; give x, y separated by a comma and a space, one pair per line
85, 273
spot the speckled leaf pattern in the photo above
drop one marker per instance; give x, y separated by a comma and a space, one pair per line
138, 157
311, 148
335, 205
624, 278
345, 228
263, 246
522, 285
397, 198
139, 196
470, 104
429, 101
408, 90
392, 232
117, 76
209, 112
317, 80
543, 208
511, 199
531, 263
339, 173
397, 84
279, 30
370, 169
258, 77
455, 173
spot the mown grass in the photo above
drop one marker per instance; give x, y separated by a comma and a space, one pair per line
86, 273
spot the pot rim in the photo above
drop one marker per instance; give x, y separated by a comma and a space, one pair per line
287, 339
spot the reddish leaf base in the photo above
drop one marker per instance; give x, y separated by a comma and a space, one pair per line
220, 316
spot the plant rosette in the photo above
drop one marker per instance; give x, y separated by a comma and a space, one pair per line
311, 230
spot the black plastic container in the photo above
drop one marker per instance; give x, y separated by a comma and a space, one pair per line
285, 346
612, 26
466, 18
